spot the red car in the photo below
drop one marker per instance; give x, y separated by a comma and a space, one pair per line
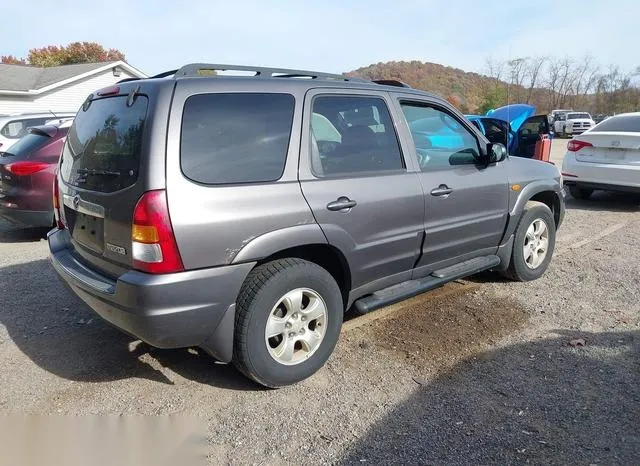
27, 172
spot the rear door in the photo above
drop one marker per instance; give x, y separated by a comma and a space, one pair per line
100, 169
466, 202
363, 191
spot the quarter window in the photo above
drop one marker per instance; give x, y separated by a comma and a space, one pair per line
235, 137
441, 141
352, 134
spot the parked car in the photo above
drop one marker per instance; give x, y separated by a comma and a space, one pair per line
606, 157
569, 124
13, 127
245, 214
27, 173
599, 118
516, 126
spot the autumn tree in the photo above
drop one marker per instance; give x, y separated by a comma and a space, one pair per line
76, 52
11, 60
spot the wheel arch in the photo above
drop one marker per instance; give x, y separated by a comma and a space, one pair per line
326, 256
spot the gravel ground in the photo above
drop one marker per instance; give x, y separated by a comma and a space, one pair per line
479, 371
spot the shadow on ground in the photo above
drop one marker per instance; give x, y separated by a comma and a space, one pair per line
607, 201
541, 402
10, 234
59, 333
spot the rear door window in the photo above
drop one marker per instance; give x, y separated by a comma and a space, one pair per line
353, 135
102, 152
232, 138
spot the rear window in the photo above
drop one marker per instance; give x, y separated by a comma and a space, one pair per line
28, 144
102, 152
624, 123
235, 137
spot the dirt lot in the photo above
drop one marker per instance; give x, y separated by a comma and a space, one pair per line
479, 371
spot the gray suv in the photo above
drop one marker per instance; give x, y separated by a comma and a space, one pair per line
246, 214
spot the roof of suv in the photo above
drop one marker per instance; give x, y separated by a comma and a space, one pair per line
301, 78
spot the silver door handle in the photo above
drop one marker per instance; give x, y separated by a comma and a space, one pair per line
442, 190
343, 203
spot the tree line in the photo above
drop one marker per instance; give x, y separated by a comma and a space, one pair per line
550, 83
75, 52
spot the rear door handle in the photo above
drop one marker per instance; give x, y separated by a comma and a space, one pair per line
442, 190
343, 203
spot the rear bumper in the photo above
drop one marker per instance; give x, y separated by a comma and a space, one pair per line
26, 218
193, 308
615, 177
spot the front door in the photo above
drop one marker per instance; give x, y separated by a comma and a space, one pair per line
528, 136
466, 202
365, 196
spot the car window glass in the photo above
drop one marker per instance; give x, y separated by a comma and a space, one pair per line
13, 129
623, 123
351, 134
106, 136
440, 140
533, 127
496, 131
236, 137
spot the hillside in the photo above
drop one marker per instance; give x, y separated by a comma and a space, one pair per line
468, 91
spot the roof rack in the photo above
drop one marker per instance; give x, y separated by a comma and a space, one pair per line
391, 82
195, 69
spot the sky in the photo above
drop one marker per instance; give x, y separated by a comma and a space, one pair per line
328, 35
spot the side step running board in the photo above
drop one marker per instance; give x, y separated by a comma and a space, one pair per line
411, 288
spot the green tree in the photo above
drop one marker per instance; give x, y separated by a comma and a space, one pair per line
493, 98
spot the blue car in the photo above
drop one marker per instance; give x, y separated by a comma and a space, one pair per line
516, 126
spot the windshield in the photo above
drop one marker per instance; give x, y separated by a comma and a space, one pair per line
577, 116
102, 152
28, 144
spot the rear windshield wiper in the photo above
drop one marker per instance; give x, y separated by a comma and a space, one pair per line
93, 171
7, 154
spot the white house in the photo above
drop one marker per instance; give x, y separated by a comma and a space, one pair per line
26, 89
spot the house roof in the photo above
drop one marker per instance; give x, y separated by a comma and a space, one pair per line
22, 79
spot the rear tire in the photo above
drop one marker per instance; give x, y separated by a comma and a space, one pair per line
533, 245
580, 193
300, 305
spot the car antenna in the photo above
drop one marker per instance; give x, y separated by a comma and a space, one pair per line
54, 115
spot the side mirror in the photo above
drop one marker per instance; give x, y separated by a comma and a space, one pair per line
496, 152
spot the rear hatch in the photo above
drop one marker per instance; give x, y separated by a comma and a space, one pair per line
20, 164
102, 173
610, 148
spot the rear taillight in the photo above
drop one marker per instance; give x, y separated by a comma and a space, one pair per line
56, 205
575, 145
154, 246
25, 168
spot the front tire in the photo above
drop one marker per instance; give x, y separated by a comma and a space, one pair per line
580, 193
288, 319
534, 243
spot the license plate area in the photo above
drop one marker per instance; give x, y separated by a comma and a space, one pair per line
85, 222
617, 155
88, 231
